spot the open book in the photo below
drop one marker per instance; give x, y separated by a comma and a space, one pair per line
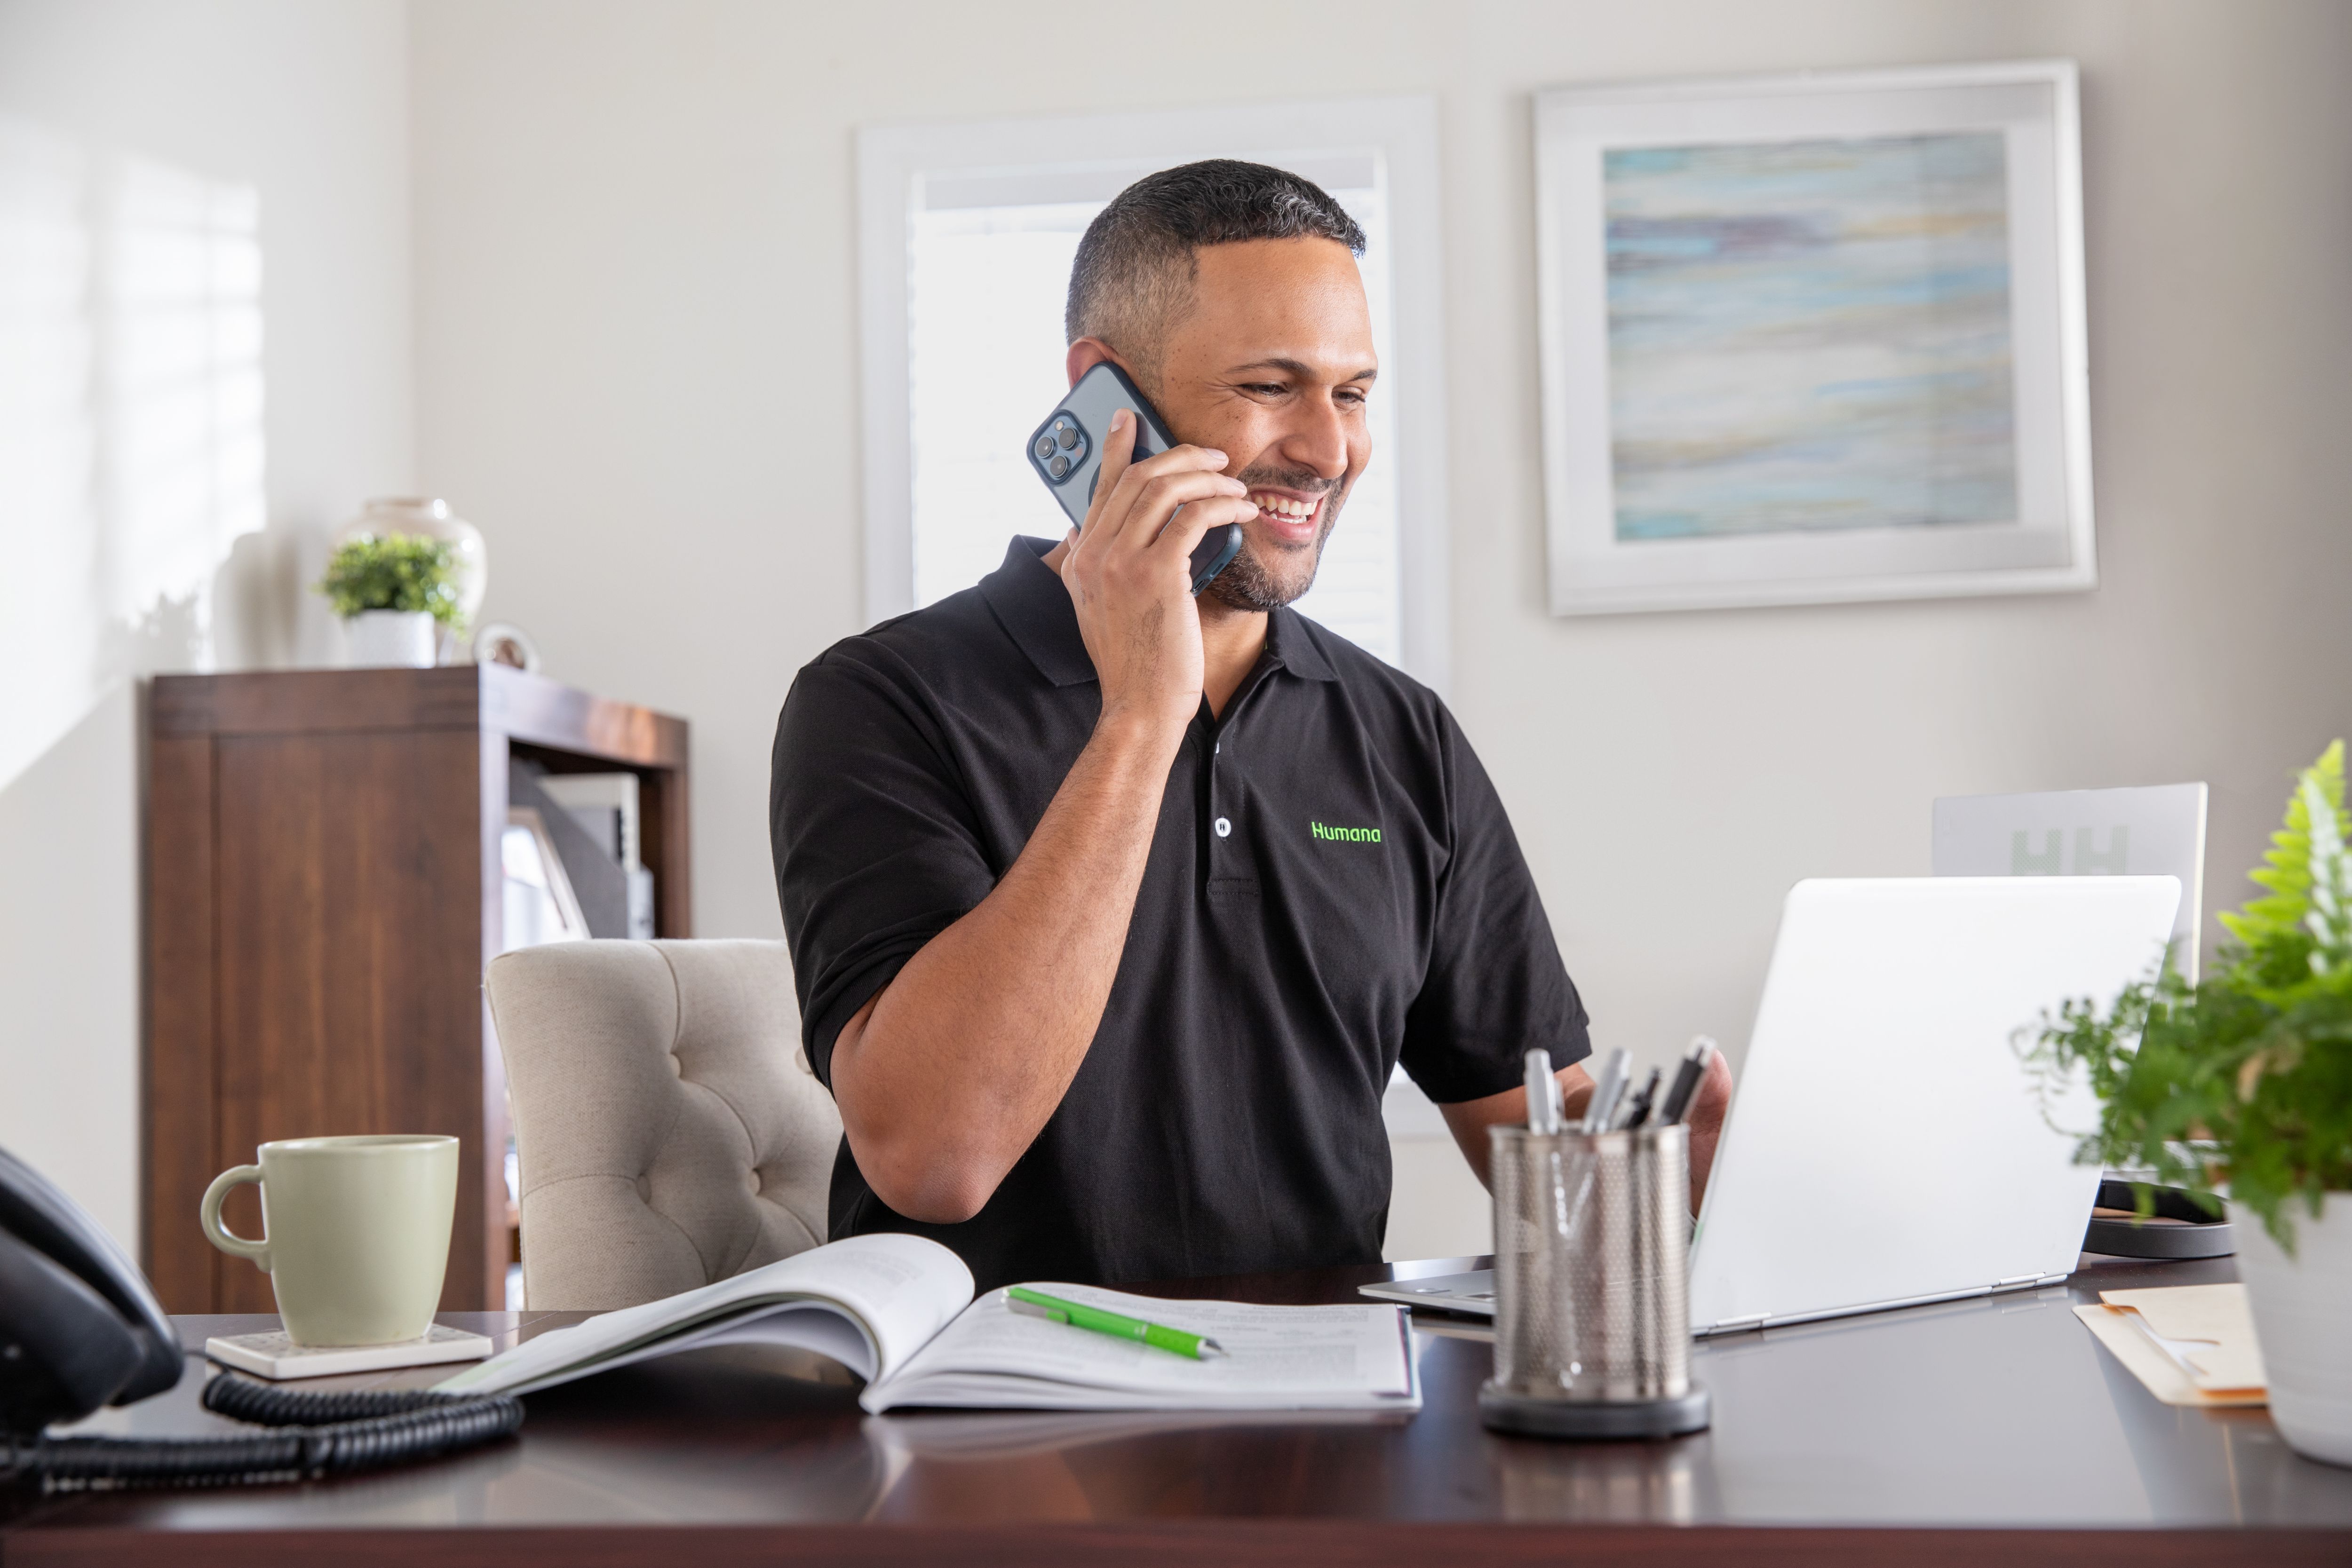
898, 1312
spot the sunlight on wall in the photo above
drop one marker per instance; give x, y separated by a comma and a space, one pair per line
130, 420
180, 422
48, 637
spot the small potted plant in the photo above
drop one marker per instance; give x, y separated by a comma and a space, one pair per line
395, 592
2243, 1084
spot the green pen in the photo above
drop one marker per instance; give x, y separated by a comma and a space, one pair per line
1029, 1304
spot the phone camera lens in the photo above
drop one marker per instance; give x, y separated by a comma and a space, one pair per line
1058, 467
1067, 435
1044, 447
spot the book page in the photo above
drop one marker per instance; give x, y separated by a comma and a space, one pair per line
896, 1291
1276, 1356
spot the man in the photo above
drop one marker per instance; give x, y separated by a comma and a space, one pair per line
1112, 909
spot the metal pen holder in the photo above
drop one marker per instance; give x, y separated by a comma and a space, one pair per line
1591, 1285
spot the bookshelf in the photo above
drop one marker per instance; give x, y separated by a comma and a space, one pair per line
324, 886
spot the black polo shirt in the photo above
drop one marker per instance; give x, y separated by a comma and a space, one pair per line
1332, 888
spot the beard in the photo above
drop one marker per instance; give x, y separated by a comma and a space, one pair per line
1255, 584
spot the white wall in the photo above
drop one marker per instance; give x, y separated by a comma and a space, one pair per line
162, 518
637, 372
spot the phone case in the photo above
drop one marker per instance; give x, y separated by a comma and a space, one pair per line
1071, 436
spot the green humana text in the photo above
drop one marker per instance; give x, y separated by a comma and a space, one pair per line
1347, 835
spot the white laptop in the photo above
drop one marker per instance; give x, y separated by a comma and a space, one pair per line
1885, 1147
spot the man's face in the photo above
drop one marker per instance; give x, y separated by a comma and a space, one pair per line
1272, 366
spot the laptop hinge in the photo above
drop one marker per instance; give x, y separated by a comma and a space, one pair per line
2016, 1282
1733, 1325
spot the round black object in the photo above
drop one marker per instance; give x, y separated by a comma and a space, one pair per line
2131, 1239
1603, 1420
1068, 435
1044, 447
2201, 1228
1058, 467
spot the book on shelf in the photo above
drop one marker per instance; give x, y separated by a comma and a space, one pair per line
538, 904
605, 807
599, 885
900, 1312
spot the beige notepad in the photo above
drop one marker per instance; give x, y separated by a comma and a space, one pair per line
2190, 1345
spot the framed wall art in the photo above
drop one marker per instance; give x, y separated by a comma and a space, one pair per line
1814, 338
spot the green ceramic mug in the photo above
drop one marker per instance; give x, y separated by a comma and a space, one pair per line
355, 1232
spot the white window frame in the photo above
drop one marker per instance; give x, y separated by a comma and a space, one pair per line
894, 162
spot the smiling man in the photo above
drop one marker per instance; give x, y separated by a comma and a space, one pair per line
1112, 909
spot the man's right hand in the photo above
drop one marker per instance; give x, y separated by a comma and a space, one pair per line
1130, 573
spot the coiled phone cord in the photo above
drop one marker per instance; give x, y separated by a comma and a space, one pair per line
324, 1433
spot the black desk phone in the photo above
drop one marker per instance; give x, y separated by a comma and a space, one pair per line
79, 1329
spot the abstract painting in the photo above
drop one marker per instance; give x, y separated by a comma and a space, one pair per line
1814, 338
1809, 335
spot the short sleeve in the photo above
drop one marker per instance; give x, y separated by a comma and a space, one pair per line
1495, 986
874, 845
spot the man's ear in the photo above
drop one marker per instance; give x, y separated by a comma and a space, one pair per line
1086, 354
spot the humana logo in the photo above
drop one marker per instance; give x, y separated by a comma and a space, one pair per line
1347, 835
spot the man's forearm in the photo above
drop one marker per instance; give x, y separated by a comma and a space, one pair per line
1468, 1120
948, 1074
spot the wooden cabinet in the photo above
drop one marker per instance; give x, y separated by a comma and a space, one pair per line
323, 888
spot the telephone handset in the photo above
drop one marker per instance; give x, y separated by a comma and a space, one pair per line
79, 1329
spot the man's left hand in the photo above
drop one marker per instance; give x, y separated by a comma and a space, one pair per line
1706, 1119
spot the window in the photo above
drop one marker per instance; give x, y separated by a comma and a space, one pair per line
968, 235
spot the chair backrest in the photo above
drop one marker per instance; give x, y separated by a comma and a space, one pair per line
2157, 830
668, 1132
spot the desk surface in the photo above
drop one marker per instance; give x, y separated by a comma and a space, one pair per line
1902, 1437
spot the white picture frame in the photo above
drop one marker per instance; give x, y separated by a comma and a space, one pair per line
1838, 351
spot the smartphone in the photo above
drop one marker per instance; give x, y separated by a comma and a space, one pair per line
1066, 453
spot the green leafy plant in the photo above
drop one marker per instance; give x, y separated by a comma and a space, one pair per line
397, 572
2245, 1079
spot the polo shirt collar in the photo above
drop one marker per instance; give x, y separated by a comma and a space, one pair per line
1034, 610
1288, 645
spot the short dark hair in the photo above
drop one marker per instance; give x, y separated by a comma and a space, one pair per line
1137, 265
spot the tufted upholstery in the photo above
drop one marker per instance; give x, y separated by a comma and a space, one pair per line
669, 1134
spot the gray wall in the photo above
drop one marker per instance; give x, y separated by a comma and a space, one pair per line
638, 372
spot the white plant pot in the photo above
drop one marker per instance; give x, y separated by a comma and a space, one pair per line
2302, 1316
408, 638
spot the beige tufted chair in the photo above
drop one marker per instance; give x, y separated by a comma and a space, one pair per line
669, 1134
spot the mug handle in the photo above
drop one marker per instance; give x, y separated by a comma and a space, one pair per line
220, 1235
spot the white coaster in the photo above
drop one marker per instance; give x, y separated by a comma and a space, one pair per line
273, 1355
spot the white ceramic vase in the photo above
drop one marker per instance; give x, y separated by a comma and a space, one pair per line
408, 638
425, 518
2302, 1316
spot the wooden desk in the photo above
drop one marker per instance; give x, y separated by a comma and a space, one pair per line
1987, 1431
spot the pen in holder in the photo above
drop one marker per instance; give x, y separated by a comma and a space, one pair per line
1591, 1283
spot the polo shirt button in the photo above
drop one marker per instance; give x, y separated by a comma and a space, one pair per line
1224, 828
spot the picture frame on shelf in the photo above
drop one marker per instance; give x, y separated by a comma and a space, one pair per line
1814, 338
